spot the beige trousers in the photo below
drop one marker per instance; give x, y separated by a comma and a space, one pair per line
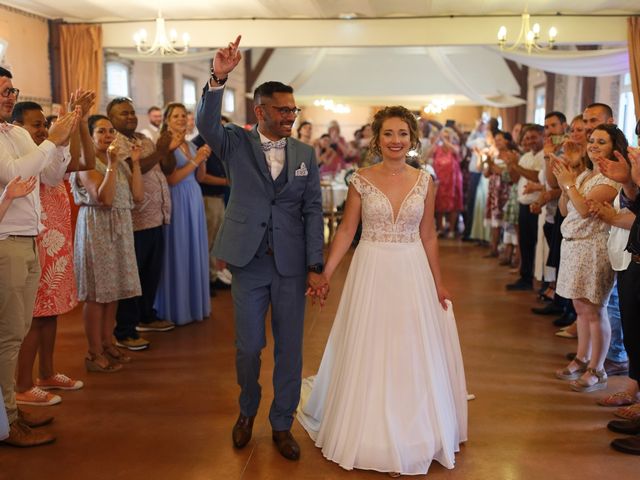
214, 211
19, 277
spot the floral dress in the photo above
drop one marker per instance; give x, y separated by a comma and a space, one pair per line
57, 292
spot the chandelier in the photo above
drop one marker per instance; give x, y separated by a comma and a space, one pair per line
163, 44
331, 106
438, 105
528, 37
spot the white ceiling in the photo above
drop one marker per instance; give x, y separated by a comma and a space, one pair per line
100, 10
387, 56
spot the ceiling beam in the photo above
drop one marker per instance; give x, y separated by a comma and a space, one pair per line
605, 30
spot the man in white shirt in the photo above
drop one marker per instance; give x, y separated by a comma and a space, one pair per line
154, 114
528, 169
19, 265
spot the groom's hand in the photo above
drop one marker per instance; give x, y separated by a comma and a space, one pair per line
226, 59
317, 287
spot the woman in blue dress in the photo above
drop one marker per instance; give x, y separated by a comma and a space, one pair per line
183, 293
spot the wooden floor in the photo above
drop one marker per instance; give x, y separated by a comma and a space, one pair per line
168, 415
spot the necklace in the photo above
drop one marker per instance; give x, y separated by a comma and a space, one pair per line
395, 173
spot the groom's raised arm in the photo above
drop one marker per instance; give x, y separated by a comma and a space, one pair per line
222, 141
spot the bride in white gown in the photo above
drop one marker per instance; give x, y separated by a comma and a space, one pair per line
390, 394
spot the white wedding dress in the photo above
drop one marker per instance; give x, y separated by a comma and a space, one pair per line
390, 394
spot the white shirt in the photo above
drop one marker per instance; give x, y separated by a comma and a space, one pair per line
618, 238
530, 162
151, 132
19, 155
275, 158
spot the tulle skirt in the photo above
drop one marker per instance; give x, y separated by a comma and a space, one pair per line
390, 394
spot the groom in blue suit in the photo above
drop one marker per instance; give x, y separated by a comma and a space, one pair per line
271, 240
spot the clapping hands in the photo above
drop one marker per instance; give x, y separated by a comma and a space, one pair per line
18, 188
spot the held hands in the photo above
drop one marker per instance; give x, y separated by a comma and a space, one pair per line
317, 287
227, 59
18, 188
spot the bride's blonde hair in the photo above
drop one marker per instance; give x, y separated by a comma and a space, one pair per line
397, 111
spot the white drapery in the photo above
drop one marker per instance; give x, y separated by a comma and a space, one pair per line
585, 63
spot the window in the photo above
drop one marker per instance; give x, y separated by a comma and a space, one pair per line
117, 79
627, 110
229, 100
189, 92
539, 102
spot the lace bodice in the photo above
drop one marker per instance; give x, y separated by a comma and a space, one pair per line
378, 223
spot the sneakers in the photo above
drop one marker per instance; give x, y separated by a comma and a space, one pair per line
20, 435
156, 326
60, 382
133, 343
33, 419
37, 397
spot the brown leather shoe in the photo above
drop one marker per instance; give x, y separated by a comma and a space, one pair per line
630, 445
287, 445
20, 435
241, 433
34, 420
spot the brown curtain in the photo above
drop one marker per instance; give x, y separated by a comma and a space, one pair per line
633, 38
78, 58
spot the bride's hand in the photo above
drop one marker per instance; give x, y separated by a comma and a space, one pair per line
443, 296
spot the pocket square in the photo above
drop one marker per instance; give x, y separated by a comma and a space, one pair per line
302, 171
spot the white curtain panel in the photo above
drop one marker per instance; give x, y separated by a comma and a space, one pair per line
588, 63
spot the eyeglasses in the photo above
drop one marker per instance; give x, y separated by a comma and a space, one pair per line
10, 91
284, 110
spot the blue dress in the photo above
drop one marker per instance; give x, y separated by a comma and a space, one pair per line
183, 292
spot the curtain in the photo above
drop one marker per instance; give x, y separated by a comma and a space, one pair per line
633, 38
591, 63
80, 59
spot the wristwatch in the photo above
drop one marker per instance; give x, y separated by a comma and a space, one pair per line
316, 268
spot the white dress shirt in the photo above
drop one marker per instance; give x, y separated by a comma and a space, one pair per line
530, 162
275, 158
19, 155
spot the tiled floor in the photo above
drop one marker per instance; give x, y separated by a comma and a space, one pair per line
168, 415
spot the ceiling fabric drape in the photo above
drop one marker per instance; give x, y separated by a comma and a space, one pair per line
586, 63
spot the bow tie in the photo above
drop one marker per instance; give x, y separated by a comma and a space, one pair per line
5, 127
279, 145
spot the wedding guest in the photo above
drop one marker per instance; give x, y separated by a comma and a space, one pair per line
586, 275
57, 292
446, 163
305, 131
19, 265
183, 290
104, 253
527, 169
476, 142
136, 314
154, 116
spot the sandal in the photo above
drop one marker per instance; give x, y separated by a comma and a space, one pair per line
583, 386
99, 363
115, 355
567, 374
632, 412
618, 399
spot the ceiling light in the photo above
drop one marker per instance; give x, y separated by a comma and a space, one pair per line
330, 105
438, 105
163, 44
528, 37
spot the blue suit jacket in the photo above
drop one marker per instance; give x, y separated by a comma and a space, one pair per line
295, 213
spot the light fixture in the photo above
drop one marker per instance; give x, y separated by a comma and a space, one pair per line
330, 105
438, 105
163, 44
528, 37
